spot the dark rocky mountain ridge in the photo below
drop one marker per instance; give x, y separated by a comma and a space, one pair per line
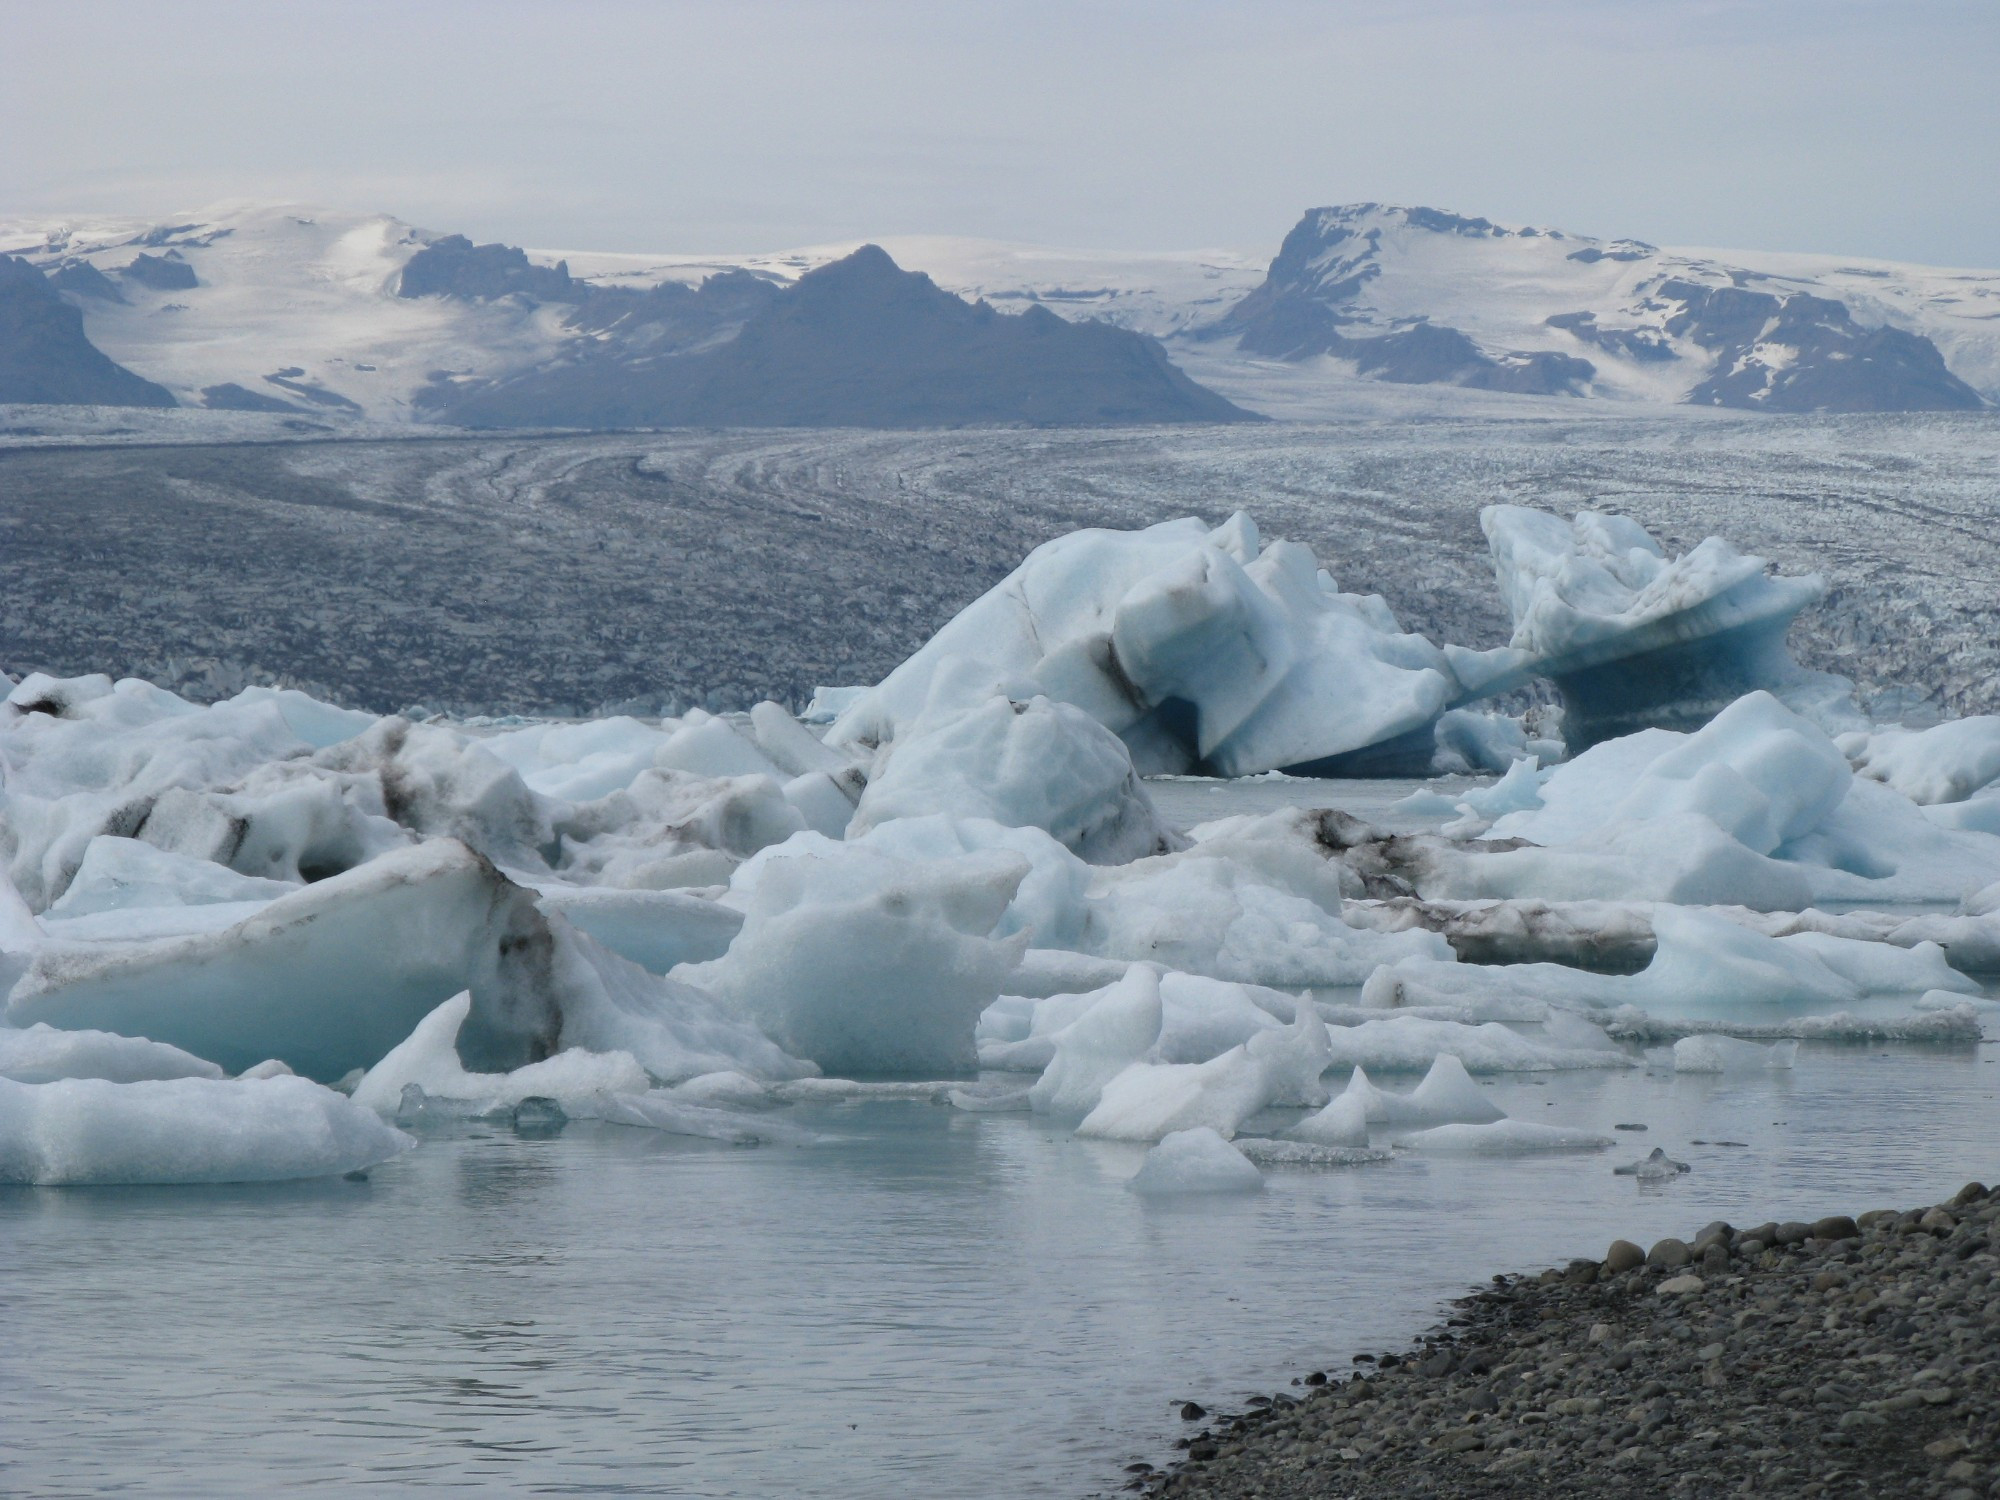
46, 358
856, 343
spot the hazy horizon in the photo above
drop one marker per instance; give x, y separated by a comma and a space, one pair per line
1853, 127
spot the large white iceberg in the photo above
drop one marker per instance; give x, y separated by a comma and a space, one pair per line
185, 1130
1197, 646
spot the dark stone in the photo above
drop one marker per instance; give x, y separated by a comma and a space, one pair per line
81, 279
1835, 1227
161, 273
455, 267
1192, 1411
45, 356
1835, 363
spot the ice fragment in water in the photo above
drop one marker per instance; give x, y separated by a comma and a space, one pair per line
1195, 1161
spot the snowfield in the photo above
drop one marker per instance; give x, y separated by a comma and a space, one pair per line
295, 304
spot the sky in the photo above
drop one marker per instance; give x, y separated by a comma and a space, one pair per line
1853, 127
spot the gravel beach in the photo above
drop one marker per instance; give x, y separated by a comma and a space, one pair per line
1852, 1356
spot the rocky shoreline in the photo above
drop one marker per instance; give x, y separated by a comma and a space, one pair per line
1846, 1357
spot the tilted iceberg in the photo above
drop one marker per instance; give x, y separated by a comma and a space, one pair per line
1198, 647
1634, 639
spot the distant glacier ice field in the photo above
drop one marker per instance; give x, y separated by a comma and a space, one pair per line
564, 574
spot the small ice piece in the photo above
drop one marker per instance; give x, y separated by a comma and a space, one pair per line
705, 745
1118, 1029
1654, 1166
829, 703
185, 1130
1520, 790
1266, 1152
1150, 1101
1448, 1096
1505, 1138
271, 1067
43, 1054
866, 963
429, 1059
1344, 1122
1195, 1161
1708, 1053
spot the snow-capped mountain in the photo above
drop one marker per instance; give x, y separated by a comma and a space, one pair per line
1366, 308
1416, 296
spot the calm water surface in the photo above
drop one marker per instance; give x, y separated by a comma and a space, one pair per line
926, 1303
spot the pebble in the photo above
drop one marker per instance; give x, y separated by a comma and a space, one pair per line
1848, 1356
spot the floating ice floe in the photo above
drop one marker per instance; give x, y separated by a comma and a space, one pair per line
1634, 639
185, 1130
1654, 1166
1195, 1161
1708, 1053
1504, 1138
1447, 1096
1147, 1101
1267, 1152
1703, 964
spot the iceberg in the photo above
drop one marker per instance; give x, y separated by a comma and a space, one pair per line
427, 1060
326, 979
1032, 764
1946, 763
185, 1130
1504, 1138
862, 962
1634, 639
1198, 646
1195, 1161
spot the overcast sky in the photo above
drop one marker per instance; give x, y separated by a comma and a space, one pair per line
1859, 127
